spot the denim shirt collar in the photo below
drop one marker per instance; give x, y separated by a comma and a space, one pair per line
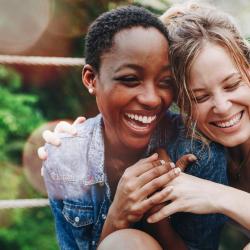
95, 172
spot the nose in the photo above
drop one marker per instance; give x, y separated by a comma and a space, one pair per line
150, 97
221, 104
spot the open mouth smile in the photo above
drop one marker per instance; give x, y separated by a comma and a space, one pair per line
141, 118
229, 123
140, 123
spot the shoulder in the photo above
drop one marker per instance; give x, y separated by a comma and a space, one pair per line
211, 161
85, 129
70, 163
84, 136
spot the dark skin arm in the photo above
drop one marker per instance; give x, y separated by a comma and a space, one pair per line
163, 231
131, 202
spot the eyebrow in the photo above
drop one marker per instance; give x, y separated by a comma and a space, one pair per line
230, 76
138, 67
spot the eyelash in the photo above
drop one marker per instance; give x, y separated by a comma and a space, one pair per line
168, 83
129, 81
132, 81
233, 86
200, 99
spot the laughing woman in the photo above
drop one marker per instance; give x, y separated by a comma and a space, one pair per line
214, 86
96, 182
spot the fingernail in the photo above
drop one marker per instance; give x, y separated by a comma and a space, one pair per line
177, 170
162, 162
192, 158
149, 220
172, 165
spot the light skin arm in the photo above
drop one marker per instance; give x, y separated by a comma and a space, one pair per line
195, 195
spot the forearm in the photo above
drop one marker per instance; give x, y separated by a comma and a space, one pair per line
234, 203
111, 225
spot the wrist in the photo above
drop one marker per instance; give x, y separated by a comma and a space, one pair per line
116, 220
223, 199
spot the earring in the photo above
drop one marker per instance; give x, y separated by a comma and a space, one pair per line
91, 90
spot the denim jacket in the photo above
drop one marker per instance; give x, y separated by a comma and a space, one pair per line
79, 192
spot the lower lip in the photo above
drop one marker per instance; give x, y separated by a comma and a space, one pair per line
139, 128
233, 128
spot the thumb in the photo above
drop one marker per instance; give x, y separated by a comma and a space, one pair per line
183, 162
163, 155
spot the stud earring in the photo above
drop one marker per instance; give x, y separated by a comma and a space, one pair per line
91, 90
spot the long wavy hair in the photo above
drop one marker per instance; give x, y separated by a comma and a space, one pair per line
191, 26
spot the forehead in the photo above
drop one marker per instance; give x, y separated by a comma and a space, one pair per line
146, 36
138, 44
212, 64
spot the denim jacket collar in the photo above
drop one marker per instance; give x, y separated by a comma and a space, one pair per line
95, 172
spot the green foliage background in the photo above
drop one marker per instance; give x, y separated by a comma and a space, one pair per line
25, 104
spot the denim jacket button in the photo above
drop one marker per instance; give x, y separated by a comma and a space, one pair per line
93, 243
104, 216
77, 219
101, 184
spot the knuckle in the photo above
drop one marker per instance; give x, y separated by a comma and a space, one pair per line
154, 172
161, 196
151, 202
135, 209
182, 161
126, 175
132, 198
155, 184
129, 187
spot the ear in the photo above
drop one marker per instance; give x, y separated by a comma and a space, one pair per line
89, 76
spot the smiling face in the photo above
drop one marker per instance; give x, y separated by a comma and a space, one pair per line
134, 86
222, 97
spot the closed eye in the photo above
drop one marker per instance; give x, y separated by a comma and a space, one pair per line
233, 86
201, 98
167, 83
128, 80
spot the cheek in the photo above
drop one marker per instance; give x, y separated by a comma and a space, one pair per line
168, 97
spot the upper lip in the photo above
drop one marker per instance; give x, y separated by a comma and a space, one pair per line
227, 119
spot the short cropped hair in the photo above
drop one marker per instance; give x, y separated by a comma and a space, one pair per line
101, 32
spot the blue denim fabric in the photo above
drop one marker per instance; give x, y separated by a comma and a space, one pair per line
80, 196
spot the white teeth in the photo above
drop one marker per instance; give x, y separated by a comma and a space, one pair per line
143, 119
229, 123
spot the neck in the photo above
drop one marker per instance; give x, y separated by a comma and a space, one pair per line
245, 148
120, 156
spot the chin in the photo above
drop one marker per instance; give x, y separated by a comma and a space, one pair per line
232, 141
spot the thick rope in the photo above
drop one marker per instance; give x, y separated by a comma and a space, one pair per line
42, 61
23, 203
